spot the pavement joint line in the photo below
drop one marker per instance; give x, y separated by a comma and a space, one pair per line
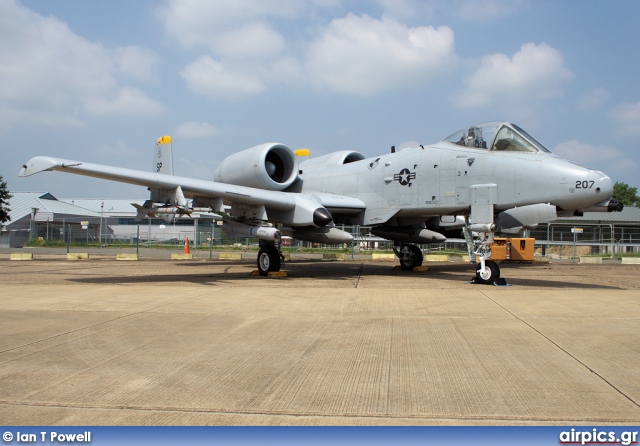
359, 275
69, 377
566, 352
212, 411
96, 325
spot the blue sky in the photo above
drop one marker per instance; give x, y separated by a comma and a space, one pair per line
100, 81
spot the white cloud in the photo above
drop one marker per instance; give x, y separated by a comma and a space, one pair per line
626, 119
48, 72
42, 57
354, 55
234, 29
362, 55
193, 129
577, 151
211, 78
407, 9
609, 159
127, 101
11, 117
484, 10
535, 72
252, 40
592, 100
119, 149
135, 62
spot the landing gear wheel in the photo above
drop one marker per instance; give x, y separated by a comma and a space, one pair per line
410, 257
491, 273
268, 260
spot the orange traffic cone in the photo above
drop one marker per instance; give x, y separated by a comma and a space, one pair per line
186, 246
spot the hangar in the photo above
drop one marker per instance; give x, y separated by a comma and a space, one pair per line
90, 220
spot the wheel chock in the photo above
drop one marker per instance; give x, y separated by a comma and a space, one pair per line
415, 268
500, 282
277, 274
497, 282
255, 272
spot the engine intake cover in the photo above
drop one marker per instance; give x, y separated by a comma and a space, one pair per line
270, 166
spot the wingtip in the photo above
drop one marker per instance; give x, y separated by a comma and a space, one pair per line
36, 165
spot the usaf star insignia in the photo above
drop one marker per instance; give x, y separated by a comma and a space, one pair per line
404, 177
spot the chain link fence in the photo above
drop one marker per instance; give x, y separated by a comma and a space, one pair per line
557, 240
554, 240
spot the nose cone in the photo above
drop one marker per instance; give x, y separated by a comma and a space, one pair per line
581, 188
602, 184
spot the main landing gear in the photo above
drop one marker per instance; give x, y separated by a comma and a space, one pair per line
410, 256
270, 259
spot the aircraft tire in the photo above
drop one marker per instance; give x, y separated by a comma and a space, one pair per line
411, 256
268, 260
492, 273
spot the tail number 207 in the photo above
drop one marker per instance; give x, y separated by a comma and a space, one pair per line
584, 184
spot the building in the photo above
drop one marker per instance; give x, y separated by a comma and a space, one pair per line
41, 215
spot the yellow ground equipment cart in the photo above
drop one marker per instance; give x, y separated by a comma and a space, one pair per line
513, 249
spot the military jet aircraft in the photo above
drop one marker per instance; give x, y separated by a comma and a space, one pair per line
484, 179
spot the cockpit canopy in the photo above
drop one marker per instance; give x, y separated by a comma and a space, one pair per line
498, 136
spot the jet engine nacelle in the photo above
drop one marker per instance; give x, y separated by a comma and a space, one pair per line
268, 166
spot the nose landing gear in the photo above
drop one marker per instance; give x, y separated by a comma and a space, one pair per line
488, 274
487, 271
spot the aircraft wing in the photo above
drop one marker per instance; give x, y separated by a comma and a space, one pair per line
294, 209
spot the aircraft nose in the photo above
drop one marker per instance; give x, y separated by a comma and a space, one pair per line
602, 184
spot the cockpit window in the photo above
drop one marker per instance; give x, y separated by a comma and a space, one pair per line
479, 136
510, 140
498, 136
531, 139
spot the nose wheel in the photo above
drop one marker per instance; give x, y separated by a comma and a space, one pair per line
489, 274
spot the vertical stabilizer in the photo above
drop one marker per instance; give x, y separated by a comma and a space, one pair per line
163, 159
